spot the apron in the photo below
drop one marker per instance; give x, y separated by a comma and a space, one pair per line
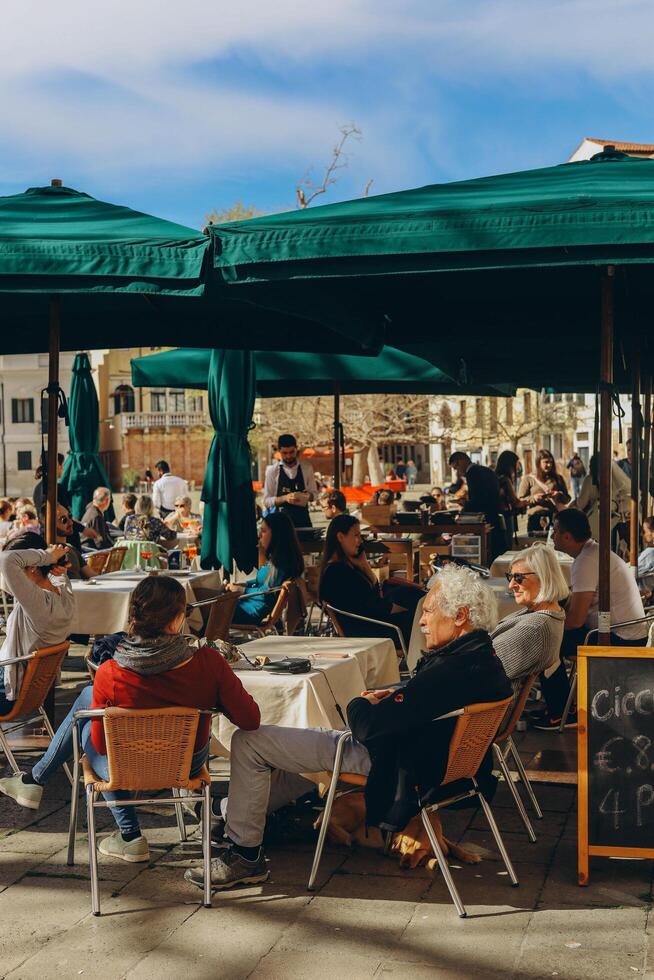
299, 515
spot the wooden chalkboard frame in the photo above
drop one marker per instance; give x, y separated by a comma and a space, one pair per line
584, 850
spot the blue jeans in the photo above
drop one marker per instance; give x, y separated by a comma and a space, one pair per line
5, 705
60, 750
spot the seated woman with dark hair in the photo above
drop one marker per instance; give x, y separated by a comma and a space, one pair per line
279, 546
154, 666
348, 582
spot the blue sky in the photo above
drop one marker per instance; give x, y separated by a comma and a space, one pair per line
178, 108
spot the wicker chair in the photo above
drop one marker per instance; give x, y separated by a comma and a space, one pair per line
115, 559
269, 623
504, 749
41, 671
473, 735
147, 749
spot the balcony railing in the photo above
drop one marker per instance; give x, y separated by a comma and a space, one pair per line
163, 420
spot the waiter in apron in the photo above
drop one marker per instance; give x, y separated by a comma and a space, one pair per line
290, 484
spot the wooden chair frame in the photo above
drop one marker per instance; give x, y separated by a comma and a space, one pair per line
42, 668
199, 786
467, 749
268, 624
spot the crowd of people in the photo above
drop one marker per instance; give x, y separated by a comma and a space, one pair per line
468, 656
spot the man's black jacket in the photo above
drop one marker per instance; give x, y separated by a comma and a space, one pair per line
407, 748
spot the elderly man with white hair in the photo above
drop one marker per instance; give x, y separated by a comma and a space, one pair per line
94, 517
395, 742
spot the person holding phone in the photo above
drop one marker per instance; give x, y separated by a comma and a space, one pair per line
43, 606
348, 582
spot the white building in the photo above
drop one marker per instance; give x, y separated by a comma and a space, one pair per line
22, 377
590, 145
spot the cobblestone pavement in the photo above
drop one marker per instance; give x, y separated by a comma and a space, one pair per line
367, 918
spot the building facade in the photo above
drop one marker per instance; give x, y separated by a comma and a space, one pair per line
139, 426
23, 422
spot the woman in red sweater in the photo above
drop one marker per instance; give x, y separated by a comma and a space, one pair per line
154, 666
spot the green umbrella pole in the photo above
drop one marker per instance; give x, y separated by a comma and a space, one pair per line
337, 438
647, 442
634, 528
53, 409
606, 455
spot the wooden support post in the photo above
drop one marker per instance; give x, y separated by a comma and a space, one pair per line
53, 408
634, 507
606, 454
337, 438
647, 446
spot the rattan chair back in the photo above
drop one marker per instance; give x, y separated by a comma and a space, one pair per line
336, 623
115, 560
296, 606
221, 615
514, 713
473, 735
40, 674
277, 611
149, 748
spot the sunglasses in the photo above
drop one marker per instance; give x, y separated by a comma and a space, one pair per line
518, 576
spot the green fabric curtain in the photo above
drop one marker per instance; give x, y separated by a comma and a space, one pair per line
83, 468
280, 374
229, 526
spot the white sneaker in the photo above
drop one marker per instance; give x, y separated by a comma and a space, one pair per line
25, 794
133, 851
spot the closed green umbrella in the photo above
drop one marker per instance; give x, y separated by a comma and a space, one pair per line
229, 528
83, 469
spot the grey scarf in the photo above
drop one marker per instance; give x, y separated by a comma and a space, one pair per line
153, 655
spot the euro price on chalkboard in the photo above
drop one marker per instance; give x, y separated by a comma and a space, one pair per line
621, 752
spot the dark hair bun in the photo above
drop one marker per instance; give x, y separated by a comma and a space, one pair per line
154, 603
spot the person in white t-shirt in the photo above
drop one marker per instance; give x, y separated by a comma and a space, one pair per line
166, 489
571, 535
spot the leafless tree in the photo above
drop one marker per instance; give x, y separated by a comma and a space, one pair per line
369, 422
307, 191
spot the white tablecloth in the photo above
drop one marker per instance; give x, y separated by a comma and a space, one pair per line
102, 607
502, 563
344, 667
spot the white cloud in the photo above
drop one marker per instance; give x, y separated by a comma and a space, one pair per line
110, 86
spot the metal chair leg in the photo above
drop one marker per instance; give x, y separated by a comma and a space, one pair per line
498, 838
525, 778
571, 696
442, 864
93, 853
11, 758
327, 812
72, 825
179, 815
206, 844
508, 779
50, 730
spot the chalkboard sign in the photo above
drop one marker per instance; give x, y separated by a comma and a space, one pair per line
616, 753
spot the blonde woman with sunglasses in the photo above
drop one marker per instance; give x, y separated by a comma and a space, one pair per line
529, 641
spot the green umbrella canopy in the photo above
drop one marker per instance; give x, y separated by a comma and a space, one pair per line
83, 469
512, 260
229, 529
124, 277
279, 374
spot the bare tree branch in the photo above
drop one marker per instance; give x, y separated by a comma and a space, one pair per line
306, 191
